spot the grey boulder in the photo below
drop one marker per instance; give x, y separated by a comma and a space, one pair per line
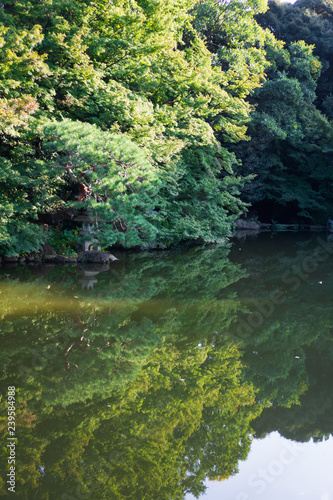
244, 224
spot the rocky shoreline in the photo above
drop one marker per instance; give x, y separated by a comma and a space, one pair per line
88, 257
48, 256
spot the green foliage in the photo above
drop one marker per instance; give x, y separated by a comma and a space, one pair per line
289, 151
237, 45
27, 188
132, 70
63, 241
311, 21
17, 205
169, 88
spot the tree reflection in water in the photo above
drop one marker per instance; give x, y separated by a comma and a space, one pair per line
139, 387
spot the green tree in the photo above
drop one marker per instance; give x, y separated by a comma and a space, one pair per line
290, 147
311, 21
142, 70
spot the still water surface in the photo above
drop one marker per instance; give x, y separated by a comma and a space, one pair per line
172, 371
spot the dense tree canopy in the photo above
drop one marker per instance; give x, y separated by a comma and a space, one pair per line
311, 21
291, 133
141, 113
290, 151
125, 68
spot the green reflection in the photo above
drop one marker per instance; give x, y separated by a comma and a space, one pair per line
133, 382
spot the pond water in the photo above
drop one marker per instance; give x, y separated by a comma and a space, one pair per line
201, 373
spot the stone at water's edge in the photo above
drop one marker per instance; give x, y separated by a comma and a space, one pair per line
47, 250
244, 224
48, 253
11, 258
96, 256
47, 258
60, 259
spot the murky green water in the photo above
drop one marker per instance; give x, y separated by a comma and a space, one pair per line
144, 380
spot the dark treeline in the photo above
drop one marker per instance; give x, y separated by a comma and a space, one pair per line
166, 122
